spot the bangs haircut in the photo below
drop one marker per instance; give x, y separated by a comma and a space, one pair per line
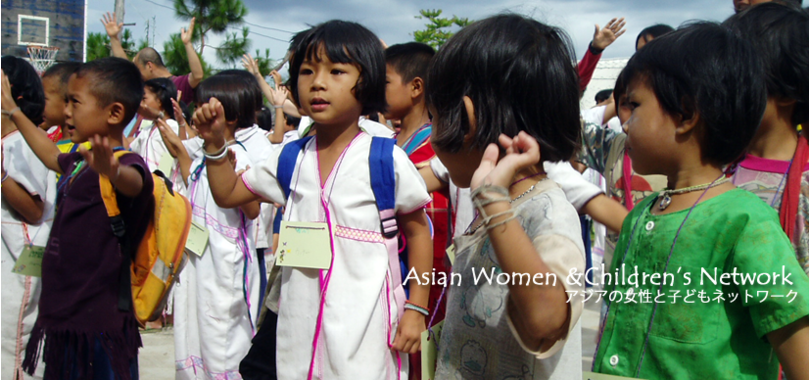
704, 70
61, 72
165, 90
779, 34
350, 43
26, 87
237, 98
520, 76
115, 80
250, 81
410, 60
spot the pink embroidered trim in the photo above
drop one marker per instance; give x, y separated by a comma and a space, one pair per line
195, 362
212, 222
766, 165
19, 349
247, 184
359, 235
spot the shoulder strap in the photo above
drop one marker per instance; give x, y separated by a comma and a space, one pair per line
286, 162
383, 182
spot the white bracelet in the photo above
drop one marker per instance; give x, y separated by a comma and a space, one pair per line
277, 107
218, 155
9, 113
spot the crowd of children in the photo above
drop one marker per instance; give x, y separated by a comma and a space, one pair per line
474, 185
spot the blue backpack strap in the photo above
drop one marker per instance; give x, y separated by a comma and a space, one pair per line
383, 183
286, 163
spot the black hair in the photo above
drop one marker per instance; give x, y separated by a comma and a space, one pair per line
704, 70
114, 80
292, 120
651, 32
251, 82
26, 87
603, 95
780, 37
520, 77
351, 43
165, 90
410, 60
62, 71
237, 98
149, 54
264, 119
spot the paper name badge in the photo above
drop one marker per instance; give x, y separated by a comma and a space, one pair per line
197, 239
451, 253
165, 164
304, 245
602, 376
430, 350
30, 261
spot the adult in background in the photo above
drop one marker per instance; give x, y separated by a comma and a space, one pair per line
151, 64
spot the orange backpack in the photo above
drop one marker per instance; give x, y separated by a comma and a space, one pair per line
159, 255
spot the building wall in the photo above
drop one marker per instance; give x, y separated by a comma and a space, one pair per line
604, 77
66, 26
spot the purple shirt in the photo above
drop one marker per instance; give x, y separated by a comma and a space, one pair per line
182, 84
80, 271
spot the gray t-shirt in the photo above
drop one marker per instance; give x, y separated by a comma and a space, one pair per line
478, 339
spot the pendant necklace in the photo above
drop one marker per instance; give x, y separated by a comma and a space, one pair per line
666, 194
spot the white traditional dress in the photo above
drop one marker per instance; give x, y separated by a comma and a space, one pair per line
359, 318
20, 294
149, 144
217, 299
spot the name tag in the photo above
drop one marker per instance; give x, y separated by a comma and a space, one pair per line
451, 253
166, 164
602, 376
430, 351
30, 261
197, 239
304, 245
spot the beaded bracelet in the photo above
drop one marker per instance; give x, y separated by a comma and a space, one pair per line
418, 309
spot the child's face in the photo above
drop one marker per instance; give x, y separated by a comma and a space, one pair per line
326, 90
149, 104
84, 116
397, 94
651, 131
54, 112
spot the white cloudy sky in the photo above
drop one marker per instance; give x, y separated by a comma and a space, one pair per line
271, 22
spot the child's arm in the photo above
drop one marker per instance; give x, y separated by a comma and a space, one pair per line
607, 211
791, 346
113, 28
420, 257
126, 179
29, 207
175, 148
252, 209
228, 190
194, 64
539, 312
432, 182
279, 97
37, 139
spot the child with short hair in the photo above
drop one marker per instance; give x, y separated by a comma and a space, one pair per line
54, 82
217, 301
406, 67
508, 80
695, 98
339, 322
87, 333
29, 191
156, 104
775, 167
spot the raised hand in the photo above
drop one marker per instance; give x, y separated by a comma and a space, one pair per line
521, 151
178, 113
173, 143
210, 121
602, 38
101, 159
250, 64
276, 78
187, 33
112, 25
280, 95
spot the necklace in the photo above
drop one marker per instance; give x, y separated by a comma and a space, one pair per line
666, 195
472, 231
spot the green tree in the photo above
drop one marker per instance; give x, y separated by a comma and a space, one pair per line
213, 16
175, 58
234, 47
437, 29
98, 45
265, 62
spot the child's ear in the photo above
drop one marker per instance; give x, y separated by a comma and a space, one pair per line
116, 113
417, 87
470, 108
687, 125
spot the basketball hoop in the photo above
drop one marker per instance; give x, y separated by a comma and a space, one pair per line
42, 57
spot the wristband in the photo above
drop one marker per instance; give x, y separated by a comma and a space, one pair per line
5, 177
277, 107
419, 309
9, 113
218, 155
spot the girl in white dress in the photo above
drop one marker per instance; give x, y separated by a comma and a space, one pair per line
339, 322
